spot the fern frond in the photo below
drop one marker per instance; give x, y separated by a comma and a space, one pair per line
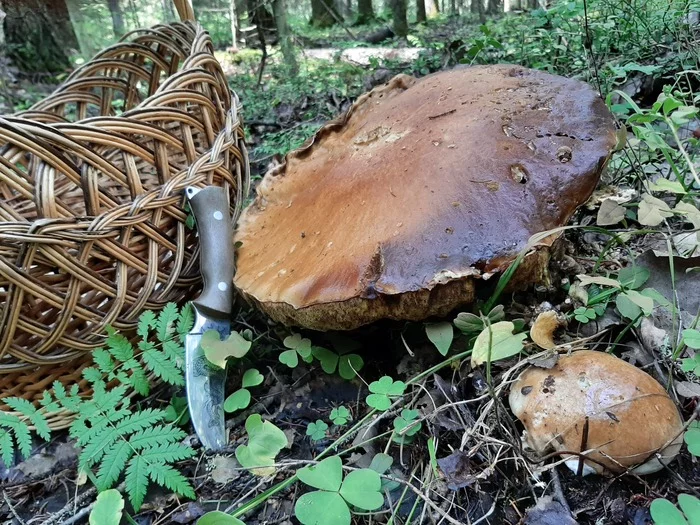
167, 453
175, 351
23, 437
139, 381
119, 346
113, 464
185, 321
147, 320
156, 434
166, 322
92, 375
47, 401
167, 476
7, 452
27, 409
137, 481
158, 363
103, 360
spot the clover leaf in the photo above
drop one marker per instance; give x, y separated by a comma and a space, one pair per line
298, 347
176, 412
252, 377
692, 438
664, 512
107, 509
317, 430
329, 504
217, 351
584, 314
382, 392
265, 441
239, 400
340, 416
345, 364
406, 422
691, 338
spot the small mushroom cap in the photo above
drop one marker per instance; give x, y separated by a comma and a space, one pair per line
393, 210
630, 415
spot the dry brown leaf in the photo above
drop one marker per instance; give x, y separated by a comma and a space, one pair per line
542, 332
610, 213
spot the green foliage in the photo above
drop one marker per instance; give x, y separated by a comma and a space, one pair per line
108, 508
692, 438
317, 431
406, 426
441, 335
470, 324
382, 392
584, 314
298, 347
218, 352
265, 441
496, 342
666, 513
177, 411
347, 364
240, 399
114, 438
691, 337
340, 416
217, 517
330, 505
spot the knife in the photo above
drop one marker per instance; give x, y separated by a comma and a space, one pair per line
205, 381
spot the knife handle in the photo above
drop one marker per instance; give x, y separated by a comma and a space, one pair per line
211, 213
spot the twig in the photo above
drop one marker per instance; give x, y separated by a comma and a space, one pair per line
337, 19
12, 509
68, 508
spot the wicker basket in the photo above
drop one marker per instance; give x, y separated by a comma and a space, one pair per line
92, 225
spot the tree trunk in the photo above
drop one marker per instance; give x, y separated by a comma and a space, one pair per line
421, 16
474, 6
40, 35
258, 15
117, 17
365, 12
532, 4
398, 8
323, 13
494, 7
481, 11
453, 8
232, 16
284, 37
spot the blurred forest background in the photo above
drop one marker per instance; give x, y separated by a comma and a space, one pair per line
297, 63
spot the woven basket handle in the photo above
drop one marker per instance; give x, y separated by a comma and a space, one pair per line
184, 9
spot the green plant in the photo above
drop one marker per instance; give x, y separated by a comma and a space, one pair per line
115, 439
585, 314
298, 347
497, 341
441, 335
347, 364
330, 505
108, 508
177, 412
382, 392
666, 513
217, 517
406, 426
340, 416
265, 441
470, 324
218, 352
317, 431
692, 438
240, 399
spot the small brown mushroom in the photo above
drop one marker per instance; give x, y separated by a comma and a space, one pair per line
423, 188
594, 401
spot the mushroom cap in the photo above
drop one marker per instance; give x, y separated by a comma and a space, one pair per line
630, 415
394, 209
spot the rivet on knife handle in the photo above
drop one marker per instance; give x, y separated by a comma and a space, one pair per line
211, 212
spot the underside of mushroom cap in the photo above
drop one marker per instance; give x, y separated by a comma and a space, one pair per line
423, 188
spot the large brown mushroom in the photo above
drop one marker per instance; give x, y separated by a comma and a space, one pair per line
594, 401
421, 189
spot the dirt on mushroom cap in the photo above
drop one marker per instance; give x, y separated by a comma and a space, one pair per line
392, 210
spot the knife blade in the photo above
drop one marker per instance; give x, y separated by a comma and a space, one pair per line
205, 382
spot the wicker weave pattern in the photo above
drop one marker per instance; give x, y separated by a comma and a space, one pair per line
92, 225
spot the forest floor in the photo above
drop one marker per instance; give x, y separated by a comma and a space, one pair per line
484, 475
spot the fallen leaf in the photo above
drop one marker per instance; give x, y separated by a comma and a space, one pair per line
689, 212
225, 469
548, 511
687, 389
610, 213
542, 331
217, 351
456, 469
652, 211
441, 335
672, 186
600, 281
545, 361
37, 465
495, 342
